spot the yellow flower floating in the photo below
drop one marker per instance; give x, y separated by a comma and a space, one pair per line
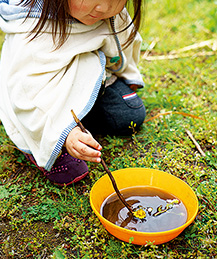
140, 213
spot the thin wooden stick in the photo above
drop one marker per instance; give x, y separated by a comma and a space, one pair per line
78, 122
173, 112
151, 46
106, 168
176, 56
8, 145
195, 142
196, 46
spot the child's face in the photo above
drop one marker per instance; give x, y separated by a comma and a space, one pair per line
91, 11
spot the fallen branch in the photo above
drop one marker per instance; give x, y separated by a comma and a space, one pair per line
210, 43
195, 142
151, 46
176, 56
187, 131
8, 145
172, 112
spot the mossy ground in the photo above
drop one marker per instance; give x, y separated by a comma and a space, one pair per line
41, 220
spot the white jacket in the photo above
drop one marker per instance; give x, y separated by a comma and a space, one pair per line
40, 85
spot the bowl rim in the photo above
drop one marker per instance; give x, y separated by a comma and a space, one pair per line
166, 232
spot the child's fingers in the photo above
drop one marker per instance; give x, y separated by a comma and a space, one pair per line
90, 141
83, 146
86, 153
87, 148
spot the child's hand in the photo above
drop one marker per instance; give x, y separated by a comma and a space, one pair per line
83, 146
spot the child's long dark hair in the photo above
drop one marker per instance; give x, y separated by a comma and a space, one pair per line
57, 12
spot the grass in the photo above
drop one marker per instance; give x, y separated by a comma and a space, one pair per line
40, 220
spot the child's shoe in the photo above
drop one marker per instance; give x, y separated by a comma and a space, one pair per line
66, 170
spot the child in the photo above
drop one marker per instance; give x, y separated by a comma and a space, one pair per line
62, 55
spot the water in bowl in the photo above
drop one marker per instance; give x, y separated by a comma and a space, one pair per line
163, 210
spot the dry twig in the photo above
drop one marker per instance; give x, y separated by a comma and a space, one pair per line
175, 54
106, 168
195, 142
187, 131
151, 46
209, 43
173, 112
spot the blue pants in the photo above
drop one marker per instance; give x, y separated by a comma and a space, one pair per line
115, 110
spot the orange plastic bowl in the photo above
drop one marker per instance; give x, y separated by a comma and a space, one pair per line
132, 177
